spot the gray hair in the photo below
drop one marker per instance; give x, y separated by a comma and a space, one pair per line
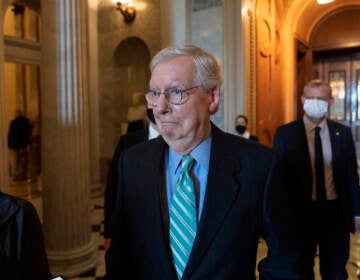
208, 70
318, 84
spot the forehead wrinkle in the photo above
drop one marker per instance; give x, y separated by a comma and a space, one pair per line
171, 73
171, 84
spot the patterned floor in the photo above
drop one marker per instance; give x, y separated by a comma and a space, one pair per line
97, 224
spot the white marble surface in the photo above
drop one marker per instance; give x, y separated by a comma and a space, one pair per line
206, 32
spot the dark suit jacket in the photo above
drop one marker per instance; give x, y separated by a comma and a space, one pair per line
22, 250
244, 199
126, 141
253, 138
291, 143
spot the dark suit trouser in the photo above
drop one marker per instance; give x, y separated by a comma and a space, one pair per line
325, 228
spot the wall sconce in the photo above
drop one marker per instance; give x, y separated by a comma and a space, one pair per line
127, 9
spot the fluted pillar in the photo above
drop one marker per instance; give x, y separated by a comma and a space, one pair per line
4, 159
18, 11
97, 188
175, 18
65, 138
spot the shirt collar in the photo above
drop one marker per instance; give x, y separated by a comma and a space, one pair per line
153, 133
246, 134
310, 126
201, 154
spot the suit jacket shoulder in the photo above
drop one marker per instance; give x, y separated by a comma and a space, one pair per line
237, 147
336, 125
291, 126
125, 141
254, 138
132, 138
22, 250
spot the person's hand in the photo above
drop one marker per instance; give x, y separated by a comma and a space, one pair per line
107, 243
357, 224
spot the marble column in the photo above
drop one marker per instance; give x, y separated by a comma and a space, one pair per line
175, 19
18, 11
4, 159
235, 63
65, 138
97, 188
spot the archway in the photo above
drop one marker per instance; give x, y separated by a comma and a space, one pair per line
131, 77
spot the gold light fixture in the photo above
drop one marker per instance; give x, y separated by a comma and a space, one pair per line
320, 2
127, 9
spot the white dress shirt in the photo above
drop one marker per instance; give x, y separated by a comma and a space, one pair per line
153, 133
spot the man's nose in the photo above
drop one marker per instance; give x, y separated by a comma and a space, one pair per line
162, 105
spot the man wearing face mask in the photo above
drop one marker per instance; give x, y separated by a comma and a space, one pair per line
126, 141
241, 122
320, 175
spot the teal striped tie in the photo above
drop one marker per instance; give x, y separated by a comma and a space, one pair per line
183, 221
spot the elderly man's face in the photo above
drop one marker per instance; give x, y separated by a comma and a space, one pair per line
182, 126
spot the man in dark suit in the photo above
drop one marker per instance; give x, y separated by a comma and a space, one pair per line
126, 141
320, 175
193, 203
19, 138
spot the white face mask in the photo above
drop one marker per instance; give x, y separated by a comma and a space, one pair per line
315, 108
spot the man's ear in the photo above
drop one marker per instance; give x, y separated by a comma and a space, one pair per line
302, 99
215, 100
331, 101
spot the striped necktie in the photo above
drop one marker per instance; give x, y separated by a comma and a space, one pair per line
183, 220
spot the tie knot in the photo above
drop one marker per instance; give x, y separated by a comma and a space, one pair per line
186, 162
317, 129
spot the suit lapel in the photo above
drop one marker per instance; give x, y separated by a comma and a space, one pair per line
301, 145
221, 191
302, 141
155, 179
335, 140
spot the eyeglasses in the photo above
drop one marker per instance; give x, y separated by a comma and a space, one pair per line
175, 95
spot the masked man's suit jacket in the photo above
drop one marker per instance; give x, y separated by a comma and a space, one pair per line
244, 199
291, 143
